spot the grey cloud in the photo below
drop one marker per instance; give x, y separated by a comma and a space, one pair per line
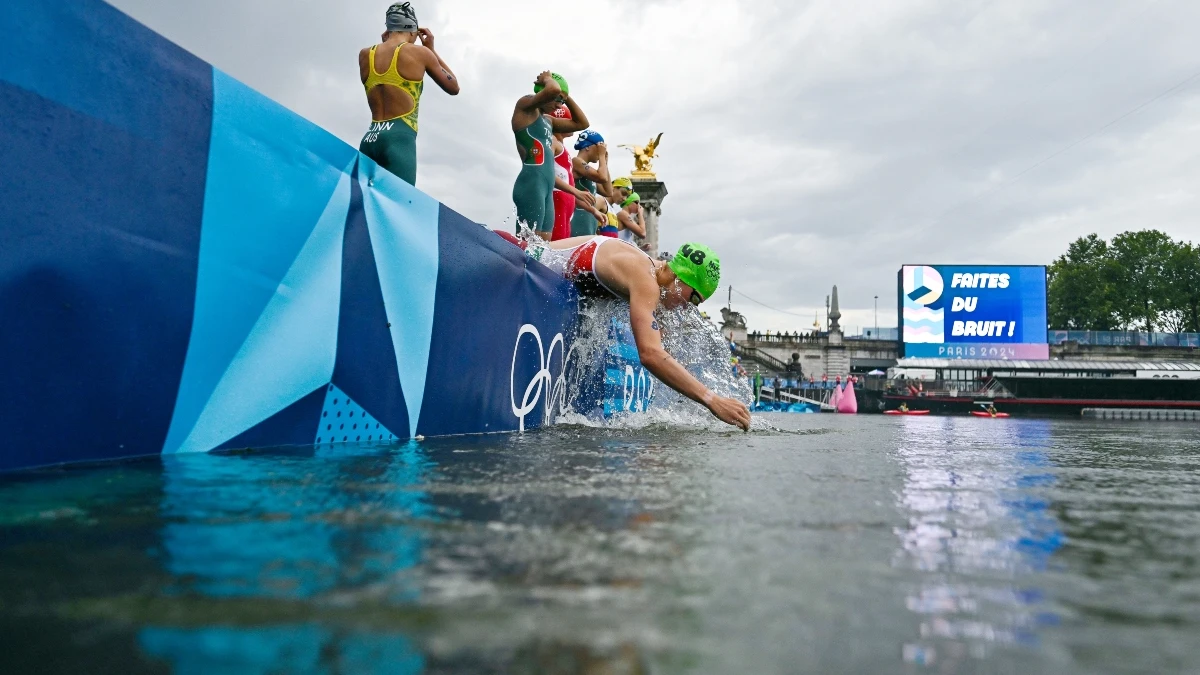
810, 143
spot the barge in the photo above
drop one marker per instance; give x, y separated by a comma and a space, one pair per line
1054, 388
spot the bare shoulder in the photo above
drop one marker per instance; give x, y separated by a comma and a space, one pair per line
630, 260
364, 58
525, 103
420, 52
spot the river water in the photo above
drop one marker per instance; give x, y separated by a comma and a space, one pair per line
815, 543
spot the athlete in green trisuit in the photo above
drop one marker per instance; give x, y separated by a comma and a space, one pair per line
592, 150
534, 127
393, 73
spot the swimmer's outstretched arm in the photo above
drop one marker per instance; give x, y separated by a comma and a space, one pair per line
643, 299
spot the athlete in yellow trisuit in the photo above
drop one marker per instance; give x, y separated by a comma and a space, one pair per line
393, 73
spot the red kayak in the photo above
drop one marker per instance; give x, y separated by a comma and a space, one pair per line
901, 412
984, 413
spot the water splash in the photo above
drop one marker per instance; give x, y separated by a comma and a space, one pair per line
690, 338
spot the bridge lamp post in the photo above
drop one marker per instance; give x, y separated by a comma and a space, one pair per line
877, 317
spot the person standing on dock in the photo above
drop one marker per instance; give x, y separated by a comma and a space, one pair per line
631, 218
568, 198
534, 128
591, 149
393, 73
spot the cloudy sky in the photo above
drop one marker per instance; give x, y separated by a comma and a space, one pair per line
809, 143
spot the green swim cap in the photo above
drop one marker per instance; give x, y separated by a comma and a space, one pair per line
562, 84
697, 266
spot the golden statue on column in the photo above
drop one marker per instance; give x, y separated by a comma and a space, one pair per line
642, 158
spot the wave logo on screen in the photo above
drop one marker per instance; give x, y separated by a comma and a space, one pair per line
922, 286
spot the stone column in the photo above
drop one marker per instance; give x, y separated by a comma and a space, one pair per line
652, 192
837, 360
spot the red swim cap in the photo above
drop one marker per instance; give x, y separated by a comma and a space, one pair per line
563, 112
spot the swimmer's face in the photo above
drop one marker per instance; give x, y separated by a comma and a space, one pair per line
679, 295
553, 105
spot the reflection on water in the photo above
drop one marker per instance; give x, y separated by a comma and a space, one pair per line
325, 563
298, 536
979, 525
830, 544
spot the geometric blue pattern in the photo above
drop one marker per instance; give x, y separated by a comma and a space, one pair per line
403, 222
366, 366
344, 421
291, 348
261, 206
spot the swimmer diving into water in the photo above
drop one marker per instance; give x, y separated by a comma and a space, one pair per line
393, 73
534, 128
602, 266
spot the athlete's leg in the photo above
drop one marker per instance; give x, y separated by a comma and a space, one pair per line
583, 224
530, 195
564, 208
394, 149
402, 154
546, 229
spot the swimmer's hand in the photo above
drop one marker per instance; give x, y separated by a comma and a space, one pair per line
729, 411
585, 197
426, 37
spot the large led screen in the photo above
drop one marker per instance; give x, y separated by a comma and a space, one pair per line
973, 311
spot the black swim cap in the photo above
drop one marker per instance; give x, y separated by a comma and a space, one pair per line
401, 18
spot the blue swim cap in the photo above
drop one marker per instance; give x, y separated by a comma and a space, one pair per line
587, 139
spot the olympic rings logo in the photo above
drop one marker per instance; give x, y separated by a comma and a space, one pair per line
543, 387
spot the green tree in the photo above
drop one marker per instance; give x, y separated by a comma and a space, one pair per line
1141, 291
1080, 291
1183, 283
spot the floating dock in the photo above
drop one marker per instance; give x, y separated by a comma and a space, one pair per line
1147, 414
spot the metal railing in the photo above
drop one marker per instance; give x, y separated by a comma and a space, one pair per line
950, 388
1123, 338
876, 334
763, 358
796, 337
813, 397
